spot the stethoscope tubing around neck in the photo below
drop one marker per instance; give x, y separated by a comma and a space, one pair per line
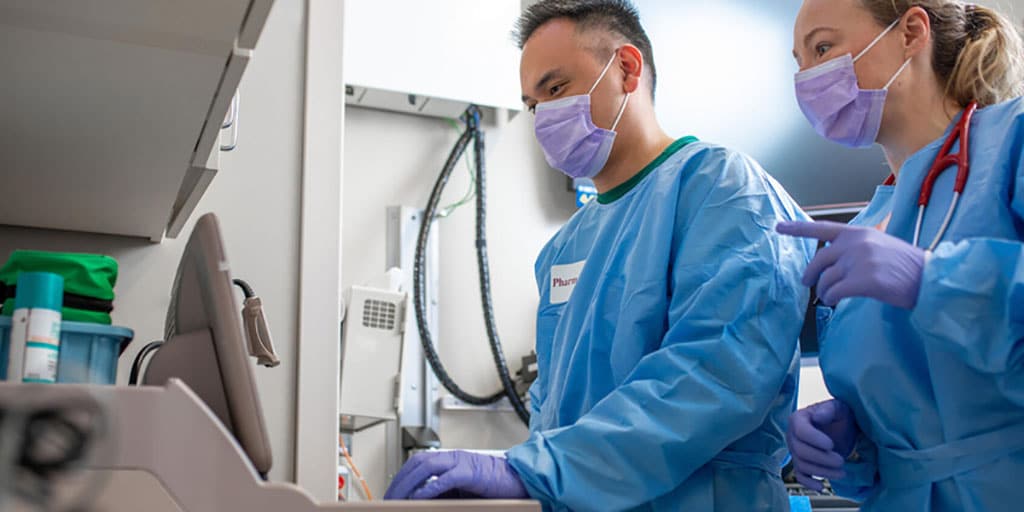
961, 159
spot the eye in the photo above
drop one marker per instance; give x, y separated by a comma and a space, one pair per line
822, 48
556, 89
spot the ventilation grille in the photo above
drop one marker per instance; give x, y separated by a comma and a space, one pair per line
378, 314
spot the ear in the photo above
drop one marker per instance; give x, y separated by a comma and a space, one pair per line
631, 64
917, 31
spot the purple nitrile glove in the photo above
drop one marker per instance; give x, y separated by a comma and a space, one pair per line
821, 437
458, 474
860, 262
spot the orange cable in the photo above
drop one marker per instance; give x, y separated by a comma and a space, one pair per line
355, 470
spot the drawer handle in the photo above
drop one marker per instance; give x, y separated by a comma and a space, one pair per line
231, 121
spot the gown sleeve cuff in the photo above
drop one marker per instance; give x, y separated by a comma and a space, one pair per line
861, 472
532, 461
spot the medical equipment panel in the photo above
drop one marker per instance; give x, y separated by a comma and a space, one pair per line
371, 350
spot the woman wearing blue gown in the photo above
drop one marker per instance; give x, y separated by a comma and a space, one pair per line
921, 313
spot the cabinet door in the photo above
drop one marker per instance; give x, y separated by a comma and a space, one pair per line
203, 168
102, 105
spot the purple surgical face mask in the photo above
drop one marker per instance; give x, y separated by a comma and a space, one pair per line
572, 143
836, 106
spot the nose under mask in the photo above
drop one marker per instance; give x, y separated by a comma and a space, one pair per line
839, 110
572, 143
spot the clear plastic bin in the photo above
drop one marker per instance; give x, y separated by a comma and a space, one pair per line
88, 352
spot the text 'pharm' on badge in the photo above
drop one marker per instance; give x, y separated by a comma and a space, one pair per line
563, 281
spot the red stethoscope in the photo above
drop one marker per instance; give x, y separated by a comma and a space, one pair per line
942, 162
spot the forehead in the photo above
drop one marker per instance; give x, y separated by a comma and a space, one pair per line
557, 40
837, 14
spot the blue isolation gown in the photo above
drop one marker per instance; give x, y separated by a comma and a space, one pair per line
667, 343
939, 391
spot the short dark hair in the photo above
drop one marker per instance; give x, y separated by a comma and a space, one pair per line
616, 16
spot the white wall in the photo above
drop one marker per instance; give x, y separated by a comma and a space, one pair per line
393, 159
256, 196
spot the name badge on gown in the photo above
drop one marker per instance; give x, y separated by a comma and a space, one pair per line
563, 281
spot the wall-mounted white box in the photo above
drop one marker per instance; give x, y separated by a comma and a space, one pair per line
432, 57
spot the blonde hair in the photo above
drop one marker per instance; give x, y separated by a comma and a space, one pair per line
978, 55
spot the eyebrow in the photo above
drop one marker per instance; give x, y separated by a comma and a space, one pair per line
808, 37
544, 80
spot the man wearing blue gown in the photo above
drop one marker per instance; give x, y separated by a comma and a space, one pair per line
669, 309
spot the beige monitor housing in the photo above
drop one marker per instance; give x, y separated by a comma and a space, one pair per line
204, 345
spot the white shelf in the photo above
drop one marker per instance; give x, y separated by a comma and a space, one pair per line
104, 104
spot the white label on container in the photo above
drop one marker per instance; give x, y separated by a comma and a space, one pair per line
16, 356
44, 326
42, 346
40, 363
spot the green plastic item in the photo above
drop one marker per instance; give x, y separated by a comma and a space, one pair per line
89, 281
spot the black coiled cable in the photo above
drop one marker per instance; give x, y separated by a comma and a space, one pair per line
474, 134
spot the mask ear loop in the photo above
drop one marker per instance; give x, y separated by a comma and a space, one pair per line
897, 75
877, 39
625, 101
622, 110
603, 73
